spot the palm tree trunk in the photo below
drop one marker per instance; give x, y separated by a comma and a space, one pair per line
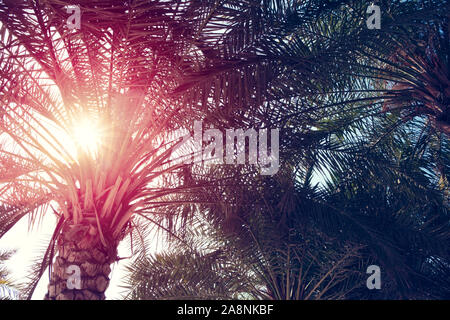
82, 265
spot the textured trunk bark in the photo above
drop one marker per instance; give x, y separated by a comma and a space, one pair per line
82, 265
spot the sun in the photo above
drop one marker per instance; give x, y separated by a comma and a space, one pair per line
87, 135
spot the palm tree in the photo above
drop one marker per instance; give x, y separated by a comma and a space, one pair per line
84, 126
209, 263
285, 237
331, 87
85, 113
313, 56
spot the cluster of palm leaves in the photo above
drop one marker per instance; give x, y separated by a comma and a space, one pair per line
290, 238
364, 124
8, 290
365, 160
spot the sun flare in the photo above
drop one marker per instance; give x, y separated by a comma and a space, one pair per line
87, 136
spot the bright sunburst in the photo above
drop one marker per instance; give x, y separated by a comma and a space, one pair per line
87, 136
